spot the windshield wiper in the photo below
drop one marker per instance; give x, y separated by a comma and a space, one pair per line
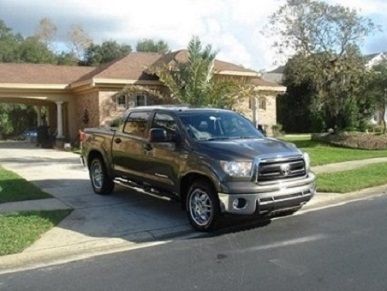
218, 138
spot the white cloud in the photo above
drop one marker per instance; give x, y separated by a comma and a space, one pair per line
232, 26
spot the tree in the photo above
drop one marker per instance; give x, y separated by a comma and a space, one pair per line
378, 90
105, 52
325, 39
9, 44
79, 41
192, 82
15, 118
149, 45
46, 31
31, 50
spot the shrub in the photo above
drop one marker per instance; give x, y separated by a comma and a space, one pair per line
277, 129
357, 140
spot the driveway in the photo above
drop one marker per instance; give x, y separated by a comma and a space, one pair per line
125, 215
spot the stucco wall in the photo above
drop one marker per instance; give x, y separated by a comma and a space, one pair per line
109, 110
266, 117
77, 108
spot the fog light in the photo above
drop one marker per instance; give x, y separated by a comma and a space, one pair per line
239, 203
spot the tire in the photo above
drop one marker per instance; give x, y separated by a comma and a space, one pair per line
202, 206
100, 180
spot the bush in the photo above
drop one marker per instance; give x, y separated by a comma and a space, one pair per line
357, 140
277, 130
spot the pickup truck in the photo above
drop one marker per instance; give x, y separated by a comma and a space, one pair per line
213, 161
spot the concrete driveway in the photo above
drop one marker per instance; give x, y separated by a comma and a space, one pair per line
124, 215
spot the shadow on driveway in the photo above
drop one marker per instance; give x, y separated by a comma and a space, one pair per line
124, 214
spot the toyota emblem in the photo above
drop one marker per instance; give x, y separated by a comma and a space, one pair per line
285, 170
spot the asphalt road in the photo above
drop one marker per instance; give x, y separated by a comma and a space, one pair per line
340, 248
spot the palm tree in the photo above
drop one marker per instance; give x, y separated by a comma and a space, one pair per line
192, 82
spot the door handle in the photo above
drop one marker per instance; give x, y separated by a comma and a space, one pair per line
148, 147
117, 140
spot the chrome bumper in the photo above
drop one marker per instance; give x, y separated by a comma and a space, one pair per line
270, 197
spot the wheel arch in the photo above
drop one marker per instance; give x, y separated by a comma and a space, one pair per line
93, 153
187, 180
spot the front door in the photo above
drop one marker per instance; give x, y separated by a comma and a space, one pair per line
166, 158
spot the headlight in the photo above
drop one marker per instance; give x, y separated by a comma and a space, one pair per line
307, 162
236, 169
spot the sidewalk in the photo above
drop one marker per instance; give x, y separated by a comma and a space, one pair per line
103, 224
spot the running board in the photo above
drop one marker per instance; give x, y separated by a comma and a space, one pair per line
138, 188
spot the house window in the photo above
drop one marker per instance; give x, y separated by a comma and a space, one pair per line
262, 103
141, 100
129, 101
121, 101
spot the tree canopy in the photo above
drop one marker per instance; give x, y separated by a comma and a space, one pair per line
325, 40
150, 45
105, 52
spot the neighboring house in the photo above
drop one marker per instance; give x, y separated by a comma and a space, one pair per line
371, 61
77, 97
275, 75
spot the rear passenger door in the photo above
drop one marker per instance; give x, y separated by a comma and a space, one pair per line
128, 148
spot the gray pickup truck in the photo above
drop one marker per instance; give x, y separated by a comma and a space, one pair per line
213, 161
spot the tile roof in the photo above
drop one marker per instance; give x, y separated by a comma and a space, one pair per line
264, 83
41, 73
181, 56
130, 67
134, 66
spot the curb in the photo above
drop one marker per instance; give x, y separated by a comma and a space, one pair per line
33, 259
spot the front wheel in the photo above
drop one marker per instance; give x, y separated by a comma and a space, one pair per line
100, 180
202, 206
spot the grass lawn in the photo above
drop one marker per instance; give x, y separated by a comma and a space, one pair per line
20, 230
15, 188
322, 154
353, 180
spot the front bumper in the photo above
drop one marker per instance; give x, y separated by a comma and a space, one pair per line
271, 197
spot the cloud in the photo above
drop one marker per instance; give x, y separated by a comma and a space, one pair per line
232, 26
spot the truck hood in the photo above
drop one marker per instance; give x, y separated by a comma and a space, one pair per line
247, 149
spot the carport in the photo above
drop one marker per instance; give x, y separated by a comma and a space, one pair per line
44, 87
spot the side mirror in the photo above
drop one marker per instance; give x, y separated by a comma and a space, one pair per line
158, 135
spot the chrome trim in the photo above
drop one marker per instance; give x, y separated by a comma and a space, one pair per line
270, 159
306, 187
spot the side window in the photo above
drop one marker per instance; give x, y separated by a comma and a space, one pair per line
165, 121
136, 124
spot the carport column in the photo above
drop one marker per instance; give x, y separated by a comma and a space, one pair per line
38, 115
59, 115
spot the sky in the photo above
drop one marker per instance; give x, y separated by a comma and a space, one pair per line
233, 27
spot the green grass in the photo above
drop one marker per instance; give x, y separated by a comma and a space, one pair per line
322, 154
20, 230
353, 180
15, 188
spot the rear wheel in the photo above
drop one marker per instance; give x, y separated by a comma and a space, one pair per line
100, 180
202, 206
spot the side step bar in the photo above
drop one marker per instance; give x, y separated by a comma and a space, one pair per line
148, 190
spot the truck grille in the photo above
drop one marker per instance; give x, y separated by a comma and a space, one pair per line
272, 171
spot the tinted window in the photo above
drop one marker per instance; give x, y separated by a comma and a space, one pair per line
136, 124
212, 125
165, 121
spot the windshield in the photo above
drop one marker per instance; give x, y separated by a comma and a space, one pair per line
212, 125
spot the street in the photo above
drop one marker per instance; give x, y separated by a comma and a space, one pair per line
339, 248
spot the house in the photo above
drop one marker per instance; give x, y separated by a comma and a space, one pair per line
71, 98
373, 60
275, 75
